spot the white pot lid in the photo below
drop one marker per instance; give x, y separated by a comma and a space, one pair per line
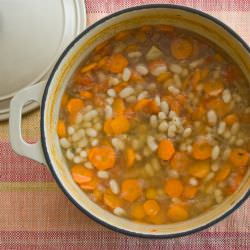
33, 35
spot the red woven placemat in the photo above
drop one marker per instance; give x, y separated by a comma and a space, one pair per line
34, 214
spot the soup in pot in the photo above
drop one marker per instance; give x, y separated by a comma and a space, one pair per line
155, 125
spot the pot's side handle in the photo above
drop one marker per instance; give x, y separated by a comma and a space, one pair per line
21, 147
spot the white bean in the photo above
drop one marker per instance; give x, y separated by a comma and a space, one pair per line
171, 130
171, 114
97, 126
109, 100
218, 195
221, 128
239, 142
141, 69
158, 100
138, 157
184, 72
142, 95
113, 81
69, 154
86, 124
159, 70
164, 107
215, 152
162, 115
151, 143
134, 54
155, 164
226, 153
177, 80
149, 170
103, 174
187, 132
126, 74
88, 165
70, 130
64, 143
83, 142
114, 186
173, 90
108, 111
90, 115
94, 142
211, 117
83, 154
183, 147
163, 127
77, 159
227, 134
226, 96
209, 177
119, 211
151, 86
91, 132
193, 181
118, 144
189, 148
235, 128
196, 63
175, 68
247, 110
232, 140
111, 93
126, 92
176, 121
153, 121
173, 173
215, 167
146, 152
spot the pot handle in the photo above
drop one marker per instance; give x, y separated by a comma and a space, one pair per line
21, 147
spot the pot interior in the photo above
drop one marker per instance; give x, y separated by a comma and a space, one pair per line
78, 50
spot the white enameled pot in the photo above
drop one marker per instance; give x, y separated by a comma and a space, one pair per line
48, 151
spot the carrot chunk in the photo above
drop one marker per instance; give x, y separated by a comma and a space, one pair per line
151, 207
201, 150
81, 174
166, 150
231, 119
180, 161
177, 213
213, 88
111, 200
88, 67
74, 105
199, 169
173, 187
102, 157
117, 63
239, 157
118, 106
131, 189
223, 172
181, 48
137, 211
90, 185
61, 129
189, 192
86, 94
130, 157
119, 125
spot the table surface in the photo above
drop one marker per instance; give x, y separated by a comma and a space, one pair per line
35, 214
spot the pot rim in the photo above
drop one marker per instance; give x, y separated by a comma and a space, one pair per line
43, 103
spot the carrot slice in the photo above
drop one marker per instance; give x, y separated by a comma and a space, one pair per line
81, 174
199, 169
231, 119
131, 189
88, 67
159, 218
86, 79
61, 129
151, 193
173, 187
102, 157
86, 94
74, 105
151, 207
166, 150
111, 200
181, 48
239, 157
137, 212
118, 106
201, 150
213, 88
130, 157
136, 77
141, 104
90, 185
177, 212
153, 108
180, 161
117, 63
198, 112
163, 77
223, 172
189, 192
